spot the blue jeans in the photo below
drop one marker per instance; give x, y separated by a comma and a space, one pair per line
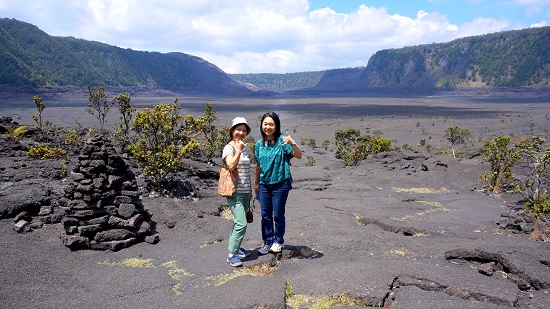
272, 203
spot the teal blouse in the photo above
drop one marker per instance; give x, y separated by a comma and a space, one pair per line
274, 161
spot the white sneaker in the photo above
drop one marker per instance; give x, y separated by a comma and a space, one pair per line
276, 247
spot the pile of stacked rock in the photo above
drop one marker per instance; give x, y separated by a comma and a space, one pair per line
102, 207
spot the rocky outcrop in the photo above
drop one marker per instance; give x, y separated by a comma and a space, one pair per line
101, 205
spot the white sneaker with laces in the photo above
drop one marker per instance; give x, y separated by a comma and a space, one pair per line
276, 247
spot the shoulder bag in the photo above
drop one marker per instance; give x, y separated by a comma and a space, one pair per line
227, 185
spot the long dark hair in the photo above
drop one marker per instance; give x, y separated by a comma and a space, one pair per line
275, 118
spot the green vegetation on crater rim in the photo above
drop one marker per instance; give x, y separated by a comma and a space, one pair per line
30, 57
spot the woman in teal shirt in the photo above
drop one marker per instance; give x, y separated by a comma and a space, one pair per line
273, 180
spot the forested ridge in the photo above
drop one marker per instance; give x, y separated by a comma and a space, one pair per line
503, 59
31, 57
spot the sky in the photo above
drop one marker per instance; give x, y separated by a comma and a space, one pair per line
276, 36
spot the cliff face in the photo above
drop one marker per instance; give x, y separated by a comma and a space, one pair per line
210, 78
507, 59
32, 58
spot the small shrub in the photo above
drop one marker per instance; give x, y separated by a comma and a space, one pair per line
250, 142
73, 136
311, 161
45, 151
352, 147
98, 107
456, 135
51, 128
312, 143
122, 128
214, 138
535, 187
346, 141
325, 144
501, 158
39, 109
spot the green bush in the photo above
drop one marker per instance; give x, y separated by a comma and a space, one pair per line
214, 137
98, 107
501, 158
251, 143
311, 161
164, 137
73, 137
353, 147
325, 144
39, 109
122, 128
345, 142
535, 187
45, 151
456, 135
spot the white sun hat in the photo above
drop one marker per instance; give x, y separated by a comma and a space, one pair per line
240, 120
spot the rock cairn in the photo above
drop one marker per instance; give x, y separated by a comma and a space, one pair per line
102, 207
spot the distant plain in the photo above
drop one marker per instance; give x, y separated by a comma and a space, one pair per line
406, 118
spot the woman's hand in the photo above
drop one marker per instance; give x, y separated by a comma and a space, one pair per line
296, 152
239, 145
233, 160
287, 139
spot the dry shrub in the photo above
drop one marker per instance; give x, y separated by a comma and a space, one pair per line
541, 231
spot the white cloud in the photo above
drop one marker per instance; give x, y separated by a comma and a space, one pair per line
242, 36
533, 7
540, 24
533, 2
482, 26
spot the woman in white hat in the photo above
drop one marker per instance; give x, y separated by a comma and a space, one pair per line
237, 156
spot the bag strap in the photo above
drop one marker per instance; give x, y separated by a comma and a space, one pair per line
234, 152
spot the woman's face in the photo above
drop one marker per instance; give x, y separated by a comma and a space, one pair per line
240, 132
268, 126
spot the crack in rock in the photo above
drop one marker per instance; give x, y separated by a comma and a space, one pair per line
313, 183
406, 231
514, 273
432, 286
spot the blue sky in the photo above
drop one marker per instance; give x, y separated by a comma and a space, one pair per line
276, 36
520, 13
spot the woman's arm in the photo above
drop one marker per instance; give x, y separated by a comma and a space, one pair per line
296, 151
233, 160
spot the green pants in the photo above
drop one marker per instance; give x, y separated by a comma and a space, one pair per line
239, 206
